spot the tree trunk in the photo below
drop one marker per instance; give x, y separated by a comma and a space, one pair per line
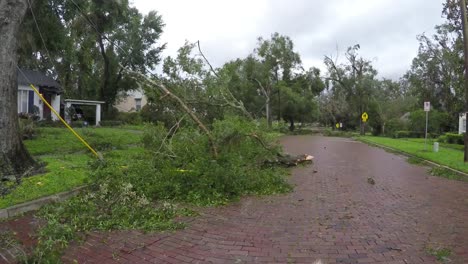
268, 112
14, 158
106, 77
291, 124
465, 46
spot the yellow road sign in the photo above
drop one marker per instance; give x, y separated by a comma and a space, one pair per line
337, 125
364, 117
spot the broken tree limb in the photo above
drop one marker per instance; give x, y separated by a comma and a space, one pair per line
288, 160
167, 92
233, 102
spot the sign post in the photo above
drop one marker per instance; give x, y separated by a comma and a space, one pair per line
427, 108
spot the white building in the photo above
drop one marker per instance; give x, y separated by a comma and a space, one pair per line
29, 102
132, 101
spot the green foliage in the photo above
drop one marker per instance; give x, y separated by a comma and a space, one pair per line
108, 205
56, 141
441, 254
415, 161
448, 174
436, 74
338, 133
182, 170
138, 190
27, 128
452, 138
86, 63
437, 121
63, 173
414, 134
131, 118
148, 113
353, 85
111, 123
450, 157
394, 125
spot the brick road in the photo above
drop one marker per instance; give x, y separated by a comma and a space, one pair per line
333, 215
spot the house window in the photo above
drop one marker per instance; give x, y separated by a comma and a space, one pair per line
23, 101
138, 104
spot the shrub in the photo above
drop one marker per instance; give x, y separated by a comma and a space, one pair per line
328, 132
453, 138
111, 123
27, 128
80, 123
394, 125
409, 134
131, 118
49, 123
436, 121
148, 113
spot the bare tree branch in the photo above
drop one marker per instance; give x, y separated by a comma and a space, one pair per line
233, 102
181, 103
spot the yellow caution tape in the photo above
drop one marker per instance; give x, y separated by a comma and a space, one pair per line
65, 123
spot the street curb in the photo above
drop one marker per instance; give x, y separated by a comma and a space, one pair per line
410, 155
38, 203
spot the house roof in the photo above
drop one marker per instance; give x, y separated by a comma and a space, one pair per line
26, 77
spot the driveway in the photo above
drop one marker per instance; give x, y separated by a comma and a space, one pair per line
335, 214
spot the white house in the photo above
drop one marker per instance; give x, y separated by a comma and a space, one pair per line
29, 102
132, 101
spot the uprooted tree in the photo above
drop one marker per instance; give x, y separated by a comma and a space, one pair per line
15, 160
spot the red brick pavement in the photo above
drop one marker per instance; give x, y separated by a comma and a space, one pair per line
333, 215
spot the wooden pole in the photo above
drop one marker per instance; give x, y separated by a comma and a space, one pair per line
465, 48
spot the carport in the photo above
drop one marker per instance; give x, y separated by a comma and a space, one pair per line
70, 102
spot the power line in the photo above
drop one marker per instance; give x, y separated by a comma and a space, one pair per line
42, 37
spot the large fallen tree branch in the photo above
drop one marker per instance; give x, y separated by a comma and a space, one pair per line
167, 92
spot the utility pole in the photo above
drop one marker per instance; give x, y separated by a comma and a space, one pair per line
465, 48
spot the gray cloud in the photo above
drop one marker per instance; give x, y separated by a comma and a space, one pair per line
385, 29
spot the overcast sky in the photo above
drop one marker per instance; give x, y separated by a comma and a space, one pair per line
228, 29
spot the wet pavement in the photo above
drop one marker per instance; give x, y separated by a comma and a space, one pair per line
335, 214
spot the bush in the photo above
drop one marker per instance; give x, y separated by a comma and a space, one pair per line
394, 125
80, 123
49, 123
27, 128
414, 134
436, 121
328, 132
111, 123
148, 113
453, 138
131, 118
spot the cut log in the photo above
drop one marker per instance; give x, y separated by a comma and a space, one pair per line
289, 160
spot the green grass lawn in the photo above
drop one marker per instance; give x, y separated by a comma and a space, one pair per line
56, 141
447, 156
67, 159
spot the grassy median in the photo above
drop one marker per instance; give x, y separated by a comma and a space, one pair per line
448, 155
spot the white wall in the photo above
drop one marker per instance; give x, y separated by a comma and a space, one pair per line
55, 102
461, 123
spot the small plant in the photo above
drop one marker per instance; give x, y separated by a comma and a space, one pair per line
108, 205
415, 161
448, 174
442, 254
